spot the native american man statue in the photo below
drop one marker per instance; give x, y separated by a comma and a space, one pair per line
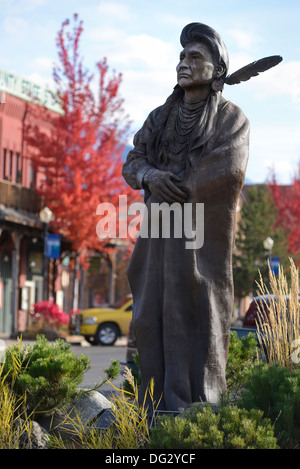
191, 150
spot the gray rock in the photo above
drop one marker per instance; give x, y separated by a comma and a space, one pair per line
89, 406
77, 416
35, 437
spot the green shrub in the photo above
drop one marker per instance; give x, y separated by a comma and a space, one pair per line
200, 427
275, 390
241, 361
46, 373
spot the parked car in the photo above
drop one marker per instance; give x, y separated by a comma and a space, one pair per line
103, 326
262, 303
251, 315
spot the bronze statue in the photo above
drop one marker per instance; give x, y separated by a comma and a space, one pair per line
193, 149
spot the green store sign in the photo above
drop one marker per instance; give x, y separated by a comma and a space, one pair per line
26, 89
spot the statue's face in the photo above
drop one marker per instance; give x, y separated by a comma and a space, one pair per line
196, 67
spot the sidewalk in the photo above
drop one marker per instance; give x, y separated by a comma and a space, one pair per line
70, 339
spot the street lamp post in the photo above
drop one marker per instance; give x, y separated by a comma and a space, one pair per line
45, 216
268, 245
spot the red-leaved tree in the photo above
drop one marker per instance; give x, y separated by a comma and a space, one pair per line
78, 152
287, 200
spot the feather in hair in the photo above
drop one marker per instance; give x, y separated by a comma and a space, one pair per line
253, 69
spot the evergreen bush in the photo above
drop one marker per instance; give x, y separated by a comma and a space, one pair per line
241, 361
199, 427
275, 390
46, 373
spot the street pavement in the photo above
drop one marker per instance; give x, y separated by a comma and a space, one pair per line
101, 358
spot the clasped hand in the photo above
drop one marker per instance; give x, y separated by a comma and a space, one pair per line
164, 185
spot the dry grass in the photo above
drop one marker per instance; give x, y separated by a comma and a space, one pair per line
15, 424
279, 333
130, 429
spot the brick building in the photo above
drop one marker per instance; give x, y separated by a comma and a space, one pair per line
22, 279
26, 274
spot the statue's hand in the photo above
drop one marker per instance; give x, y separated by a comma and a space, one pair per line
162, 184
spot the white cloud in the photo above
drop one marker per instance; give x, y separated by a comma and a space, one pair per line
16, 26
106, 34
146, 51
41, 80
273, 147
279, 81
148, 65
284, 79
244, 39
176, 20
21, 6
42, 63
144, 91
115, 11
238, 60
139, 52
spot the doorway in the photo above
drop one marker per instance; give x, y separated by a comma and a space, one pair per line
6, 292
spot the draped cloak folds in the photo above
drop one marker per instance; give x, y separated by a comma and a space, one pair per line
183, 298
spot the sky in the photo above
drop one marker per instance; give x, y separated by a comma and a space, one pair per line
140, 39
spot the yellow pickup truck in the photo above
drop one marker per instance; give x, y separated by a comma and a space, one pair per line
103, 326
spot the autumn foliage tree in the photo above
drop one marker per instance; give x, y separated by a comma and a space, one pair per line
79, 151
287, 201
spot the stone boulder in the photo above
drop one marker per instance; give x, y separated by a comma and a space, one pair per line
81, 413
34, 437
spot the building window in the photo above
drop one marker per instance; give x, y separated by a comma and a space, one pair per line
4, 164
18, 178
32, 177
8, 164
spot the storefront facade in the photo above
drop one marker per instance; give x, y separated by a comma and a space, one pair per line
21, 228
27, 274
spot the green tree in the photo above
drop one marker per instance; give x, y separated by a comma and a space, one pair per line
257, 222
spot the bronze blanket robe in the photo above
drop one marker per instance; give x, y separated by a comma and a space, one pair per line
183, 298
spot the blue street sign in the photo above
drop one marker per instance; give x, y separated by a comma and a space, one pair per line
52, 246
274, 264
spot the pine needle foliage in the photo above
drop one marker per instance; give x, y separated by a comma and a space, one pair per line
275, 390
241, 361
200, 427
46, 374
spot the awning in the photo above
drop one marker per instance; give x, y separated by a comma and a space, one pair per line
19, 217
